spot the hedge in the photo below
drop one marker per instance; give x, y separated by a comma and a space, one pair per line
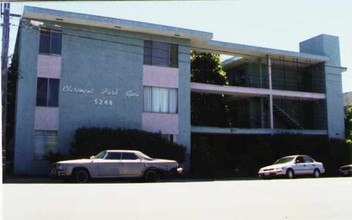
245, 154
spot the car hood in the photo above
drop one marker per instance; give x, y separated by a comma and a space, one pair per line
77, 161
163, 161
273, 166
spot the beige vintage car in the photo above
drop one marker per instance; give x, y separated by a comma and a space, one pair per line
115, 164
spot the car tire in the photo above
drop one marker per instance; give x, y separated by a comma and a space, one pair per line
152, 176
80, 176
290, 174
316, 173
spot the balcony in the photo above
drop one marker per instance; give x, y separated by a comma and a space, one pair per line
309, 78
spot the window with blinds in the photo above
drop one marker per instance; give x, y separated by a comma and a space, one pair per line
162, 100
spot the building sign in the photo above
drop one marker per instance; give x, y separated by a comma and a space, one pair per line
107, 92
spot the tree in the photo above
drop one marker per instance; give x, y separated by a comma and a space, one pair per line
208, 109
206, 68
10, 112
348, 123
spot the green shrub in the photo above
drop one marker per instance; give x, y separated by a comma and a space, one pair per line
203, 158
90, 141
248, 153
54, 157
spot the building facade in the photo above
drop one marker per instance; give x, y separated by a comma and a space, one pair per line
347, 99
79, 70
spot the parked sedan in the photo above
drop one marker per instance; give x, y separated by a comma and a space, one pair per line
346, 170
115, 164
292, 166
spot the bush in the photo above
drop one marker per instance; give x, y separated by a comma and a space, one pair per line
203, 159
90, 141
248, 153
54, 157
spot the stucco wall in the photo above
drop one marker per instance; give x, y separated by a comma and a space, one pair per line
26, 101
107, 69
329, 46
101, 85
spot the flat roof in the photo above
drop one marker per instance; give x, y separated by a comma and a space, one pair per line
44, 14
199, 40
254, 52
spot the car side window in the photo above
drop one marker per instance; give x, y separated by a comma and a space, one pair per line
113, 156
299, 160
129, 156
308, 160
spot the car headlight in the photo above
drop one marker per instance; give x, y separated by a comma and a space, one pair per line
59, 166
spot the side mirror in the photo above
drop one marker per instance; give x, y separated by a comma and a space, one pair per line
297, 161
92, 157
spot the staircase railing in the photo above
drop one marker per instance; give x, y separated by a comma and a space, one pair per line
290, 115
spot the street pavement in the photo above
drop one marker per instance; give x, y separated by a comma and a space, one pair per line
303, 198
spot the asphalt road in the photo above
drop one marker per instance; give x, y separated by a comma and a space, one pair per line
307, 198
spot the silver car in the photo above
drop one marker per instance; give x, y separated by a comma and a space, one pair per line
346, 170
115, 164
292, 166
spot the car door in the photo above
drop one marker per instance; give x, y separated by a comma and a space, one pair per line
111, 165
133, 166
310, 165
299, 167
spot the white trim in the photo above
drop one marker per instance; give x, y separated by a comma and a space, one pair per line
253, 92
216, 130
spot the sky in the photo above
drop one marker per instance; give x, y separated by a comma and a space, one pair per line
271, 23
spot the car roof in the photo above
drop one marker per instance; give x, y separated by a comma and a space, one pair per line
123, 151
301, 155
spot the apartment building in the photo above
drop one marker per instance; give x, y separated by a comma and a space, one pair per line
80, 70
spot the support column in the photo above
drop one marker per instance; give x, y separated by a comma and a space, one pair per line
262, 115
328, 45
271, 93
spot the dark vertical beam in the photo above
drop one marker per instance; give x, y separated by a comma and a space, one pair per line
4, 66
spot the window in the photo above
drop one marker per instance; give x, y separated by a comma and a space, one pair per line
308, 159
158, 99
48, 92
45, 142
129, 156
50, 41
160, 54
114, 156
299, 160
170, 137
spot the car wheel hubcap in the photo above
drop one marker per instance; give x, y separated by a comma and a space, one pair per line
152, 176
316, 173
82, 177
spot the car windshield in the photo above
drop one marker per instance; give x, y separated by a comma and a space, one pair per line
100, 155
143, 156
284, 160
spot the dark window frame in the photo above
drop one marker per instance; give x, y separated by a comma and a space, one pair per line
50, 41
47, 97
153, 48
